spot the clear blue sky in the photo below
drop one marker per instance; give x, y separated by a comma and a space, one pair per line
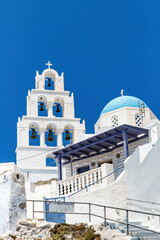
102, 46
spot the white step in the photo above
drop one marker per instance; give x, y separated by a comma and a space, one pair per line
145, 234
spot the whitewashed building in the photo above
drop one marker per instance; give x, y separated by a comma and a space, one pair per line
58, 159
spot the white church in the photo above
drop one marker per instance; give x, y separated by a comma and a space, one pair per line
117, 165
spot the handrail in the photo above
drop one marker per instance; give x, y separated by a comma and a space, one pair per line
99, 205
89, 213
86, 187
143, 201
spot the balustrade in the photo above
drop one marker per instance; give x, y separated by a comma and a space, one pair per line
78, 182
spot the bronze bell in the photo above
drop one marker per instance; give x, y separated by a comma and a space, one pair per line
67, 135
41, 107
49, 82
33, 136
50, 136
58, 110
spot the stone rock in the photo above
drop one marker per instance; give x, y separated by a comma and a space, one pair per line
34, 229
24, 223
22, 205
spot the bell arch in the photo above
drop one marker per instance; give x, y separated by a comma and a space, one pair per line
34, 136
50, 161
58, 107
51, 135
49, 83
68, 134
50, 73
42, 106
50, 77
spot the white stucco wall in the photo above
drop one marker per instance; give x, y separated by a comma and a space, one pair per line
126, 115
113, 194
142, 175
36, 174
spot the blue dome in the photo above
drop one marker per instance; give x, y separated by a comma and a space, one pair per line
123, 101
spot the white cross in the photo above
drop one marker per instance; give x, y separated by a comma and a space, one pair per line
49, 64
122, 92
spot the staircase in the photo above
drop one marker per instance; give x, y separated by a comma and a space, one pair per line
135, 233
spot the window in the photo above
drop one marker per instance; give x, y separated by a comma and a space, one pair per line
50, 162
138, 120
115, 121
82, 169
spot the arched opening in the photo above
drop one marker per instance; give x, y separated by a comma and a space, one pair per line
49, 83
67, 136
34, 137
42, 110
50, 136
50, 161
58, 107
57, 110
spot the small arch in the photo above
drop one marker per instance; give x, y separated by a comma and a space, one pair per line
51, 135
68, 133
50, 73
49, 83
58, 107
34, 137
42, 106
32, 109
114, 121
23, 137
42, 98
50, 161
138, 120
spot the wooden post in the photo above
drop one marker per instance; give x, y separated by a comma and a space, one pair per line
59, 168
125, 144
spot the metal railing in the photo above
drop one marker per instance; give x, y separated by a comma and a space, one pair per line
91, 214
136, 200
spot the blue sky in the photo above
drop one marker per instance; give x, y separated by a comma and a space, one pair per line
102, 46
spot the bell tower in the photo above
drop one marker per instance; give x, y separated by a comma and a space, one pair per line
50, 124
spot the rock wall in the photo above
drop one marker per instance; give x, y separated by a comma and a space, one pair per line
12, 200
42, 230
